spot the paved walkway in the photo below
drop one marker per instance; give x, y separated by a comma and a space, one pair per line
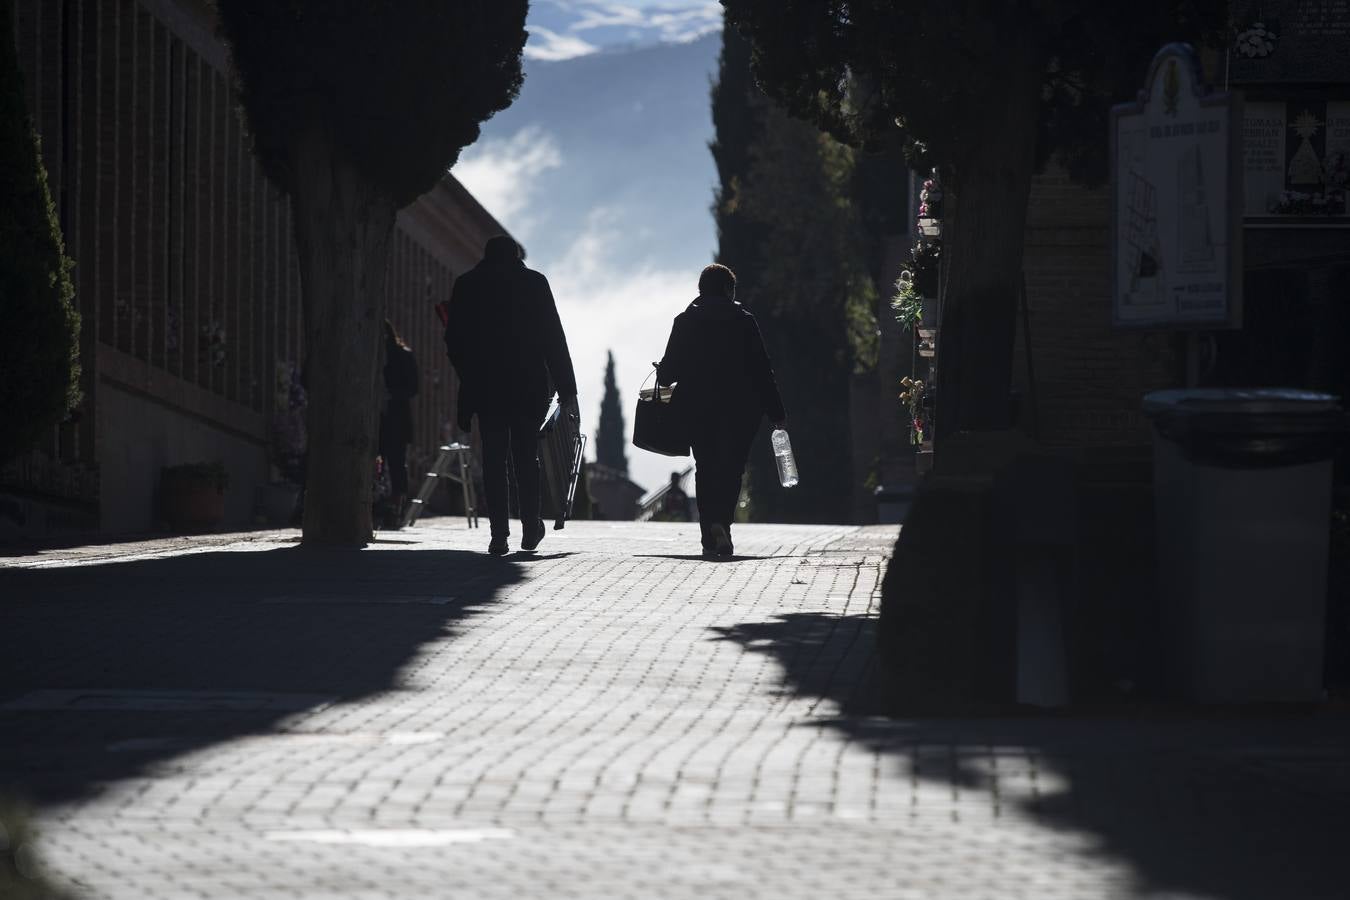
232, 717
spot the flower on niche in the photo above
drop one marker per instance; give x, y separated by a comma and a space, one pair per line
1257, 42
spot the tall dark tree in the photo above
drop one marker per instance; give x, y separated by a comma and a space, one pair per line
609, 439
39, 344
987, 90
788, 228
357, 107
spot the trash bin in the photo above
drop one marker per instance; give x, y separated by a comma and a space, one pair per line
1242, 492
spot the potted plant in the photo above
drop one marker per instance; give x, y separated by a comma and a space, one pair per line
913, 397
925, 261
192, 496
930, 208
907, 302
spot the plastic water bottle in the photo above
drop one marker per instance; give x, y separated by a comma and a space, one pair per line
782, 454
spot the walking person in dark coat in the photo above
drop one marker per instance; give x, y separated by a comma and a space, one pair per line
726, 385
396, 418
507, 344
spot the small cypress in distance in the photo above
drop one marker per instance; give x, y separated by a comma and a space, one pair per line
40, 341
355, 109
609, 436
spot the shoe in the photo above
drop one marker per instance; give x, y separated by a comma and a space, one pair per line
721, 540
498, 547
532, 535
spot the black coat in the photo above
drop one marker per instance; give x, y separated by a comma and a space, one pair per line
506, 341
717, 356
400, 386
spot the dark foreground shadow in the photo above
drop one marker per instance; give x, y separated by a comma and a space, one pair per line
109, 669
1222, 807
535, 556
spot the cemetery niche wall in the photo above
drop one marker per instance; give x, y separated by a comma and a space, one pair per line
1289, 59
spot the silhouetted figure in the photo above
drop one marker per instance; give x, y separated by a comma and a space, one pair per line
396, 418
507, 344
675, 503
726, 384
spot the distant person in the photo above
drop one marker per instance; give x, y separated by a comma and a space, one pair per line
675, 504
726, 385
506, 342
396, 418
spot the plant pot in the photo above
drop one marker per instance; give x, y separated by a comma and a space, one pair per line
191, 503
930, 227
276, 502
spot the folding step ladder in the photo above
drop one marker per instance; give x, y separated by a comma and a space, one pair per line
449, 453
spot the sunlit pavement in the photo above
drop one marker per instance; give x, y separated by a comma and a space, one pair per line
232, 717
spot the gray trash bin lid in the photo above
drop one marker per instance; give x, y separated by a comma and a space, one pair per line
1241, 400
1248, 427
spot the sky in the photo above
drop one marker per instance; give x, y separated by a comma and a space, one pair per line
564, 29
612, 293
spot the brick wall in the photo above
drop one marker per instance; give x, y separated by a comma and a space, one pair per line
1089, 377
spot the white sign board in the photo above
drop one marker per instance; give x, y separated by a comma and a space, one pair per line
1177, 201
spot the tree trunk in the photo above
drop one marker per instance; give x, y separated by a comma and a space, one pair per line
984, 224
343, 227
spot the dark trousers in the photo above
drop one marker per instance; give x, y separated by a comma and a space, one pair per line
516, 439
719, 456
396, 461
395, 432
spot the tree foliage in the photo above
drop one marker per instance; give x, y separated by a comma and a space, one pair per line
987, 90
398, 87
609, 437
39, 345
861, 68
789, 229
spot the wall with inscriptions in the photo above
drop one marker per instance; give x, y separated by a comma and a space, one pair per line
1291, 41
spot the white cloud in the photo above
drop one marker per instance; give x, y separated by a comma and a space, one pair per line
608, 303
688, 24
550, 46
633, 21
502, 174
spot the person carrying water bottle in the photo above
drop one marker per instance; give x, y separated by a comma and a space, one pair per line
726, 385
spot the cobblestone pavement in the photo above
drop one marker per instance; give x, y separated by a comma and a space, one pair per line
234, 717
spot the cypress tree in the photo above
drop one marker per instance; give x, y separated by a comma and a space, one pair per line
39, 345
788, 228
609, 439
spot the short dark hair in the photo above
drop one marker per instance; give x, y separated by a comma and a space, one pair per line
718, 279
502, 246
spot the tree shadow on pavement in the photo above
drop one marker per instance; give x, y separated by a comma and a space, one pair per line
1224, 806
698, 557
109, 669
